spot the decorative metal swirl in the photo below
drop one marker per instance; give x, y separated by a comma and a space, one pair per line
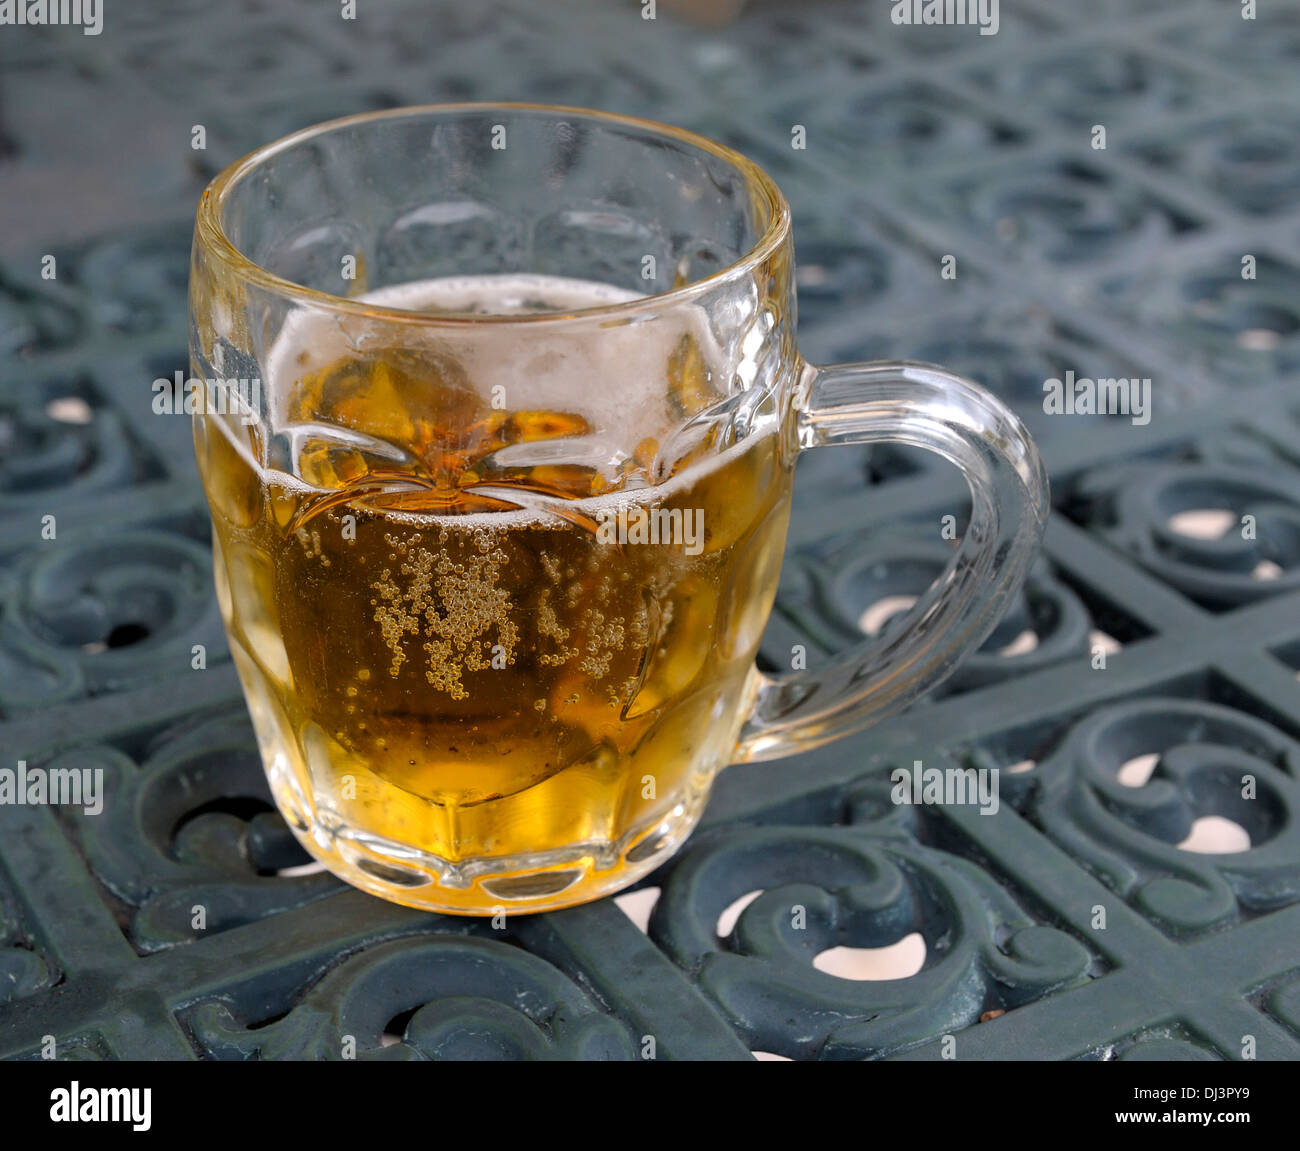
828, 887
1133, 506
835, 592
1213, 760
191, 825
104, 613
59, 442
464, 998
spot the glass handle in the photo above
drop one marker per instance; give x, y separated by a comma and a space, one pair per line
927, 407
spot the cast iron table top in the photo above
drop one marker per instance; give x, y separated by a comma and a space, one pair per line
1145, 681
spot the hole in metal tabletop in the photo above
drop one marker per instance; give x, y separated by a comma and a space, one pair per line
882, 611
1203, 523
1137, 771
899, 960
727, 920
1023, 644
638, 905
125, 634
315, 867
1215, 835
69, 410
395, 1028
1100, 641
1258, 339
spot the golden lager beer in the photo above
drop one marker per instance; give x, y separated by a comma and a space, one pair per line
470, 629
499, 511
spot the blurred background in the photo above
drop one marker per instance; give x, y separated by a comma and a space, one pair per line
917, 142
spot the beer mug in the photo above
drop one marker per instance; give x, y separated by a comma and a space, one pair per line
504, 404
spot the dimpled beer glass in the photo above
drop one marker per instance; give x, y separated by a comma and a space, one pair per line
498, 521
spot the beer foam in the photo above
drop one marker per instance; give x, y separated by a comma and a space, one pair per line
612, 371
500, 295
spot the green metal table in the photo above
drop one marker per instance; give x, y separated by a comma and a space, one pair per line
1143, 689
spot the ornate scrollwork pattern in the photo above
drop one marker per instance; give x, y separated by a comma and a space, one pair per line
838, 592
461, 998
1213, 761
953, 203
57, 440
828, 887
1134, 507
104, 613
191, 825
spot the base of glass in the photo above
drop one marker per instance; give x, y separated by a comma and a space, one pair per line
496, 885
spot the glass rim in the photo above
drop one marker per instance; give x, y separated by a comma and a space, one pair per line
210, 232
